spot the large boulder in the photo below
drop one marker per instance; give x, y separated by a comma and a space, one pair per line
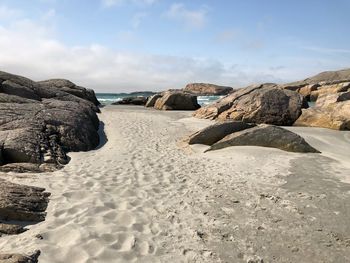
328, 115
329, 89
266, 136
139, 100
177, 101
266, 103
217, 131
206, 89
152, 100
36, 134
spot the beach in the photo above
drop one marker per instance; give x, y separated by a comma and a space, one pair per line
145, 196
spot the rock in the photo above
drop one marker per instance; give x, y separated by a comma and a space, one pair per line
333, 116
36, 132
22, 203
329, 89
152, 100
205, 89
18, 258
266, 103
217, 131
266, 136
177, 101
12, 88
140, 100
326, 99
10, 229
69, 87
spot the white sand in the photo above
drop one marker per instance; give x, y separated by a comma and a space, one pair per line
140, 198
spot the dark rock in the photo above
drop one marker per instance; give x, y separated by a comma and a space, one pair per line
177, 101
206, 89
12, 88
152, 100
18, 258
217, 131
267, 103
140, 100
11, 229
35, 135
266, 136
22, 203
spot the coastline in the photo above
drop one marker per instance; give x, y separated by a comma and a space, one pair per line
141, 198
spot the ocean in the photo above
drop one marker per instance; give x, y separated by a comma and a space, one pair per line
108, 98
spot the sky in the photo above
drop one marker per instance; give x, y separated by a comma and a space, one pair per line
133, 45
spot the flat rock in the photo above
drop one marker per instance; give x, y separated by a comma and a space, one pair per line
206, 89
266, 136
177, 101
217, 131
18, 258
22, 203
266, 103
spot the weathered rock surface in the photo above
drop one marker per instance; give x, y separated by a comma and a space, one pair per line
17, 258
41, 122
152, 100
217, 131
177, 101
132, 101
327, 99
266, 103
11, 229
22, 203
266, 136
329, 115
328, 82
206, 89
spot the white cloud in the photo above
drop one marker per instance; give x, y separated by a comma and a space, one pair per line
327, 50
193, 19
110, 3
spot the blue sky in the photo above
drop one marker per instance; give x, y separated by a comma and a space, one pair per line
127, 45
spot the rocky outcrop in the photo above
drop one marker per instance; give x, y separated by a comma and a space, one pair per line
329, 115
11, 229
206, 89
18, 258
265, 136
132, 101
22, 203
176, 101
217, 131
152, 100
328, 82
266, 103
40, 123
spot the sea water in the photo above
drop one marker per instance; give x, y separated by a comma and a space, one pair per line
108, 98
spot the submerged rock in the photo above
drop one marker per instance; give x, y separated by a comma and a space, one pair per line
266, 136
177, 101
266, 103
206, 89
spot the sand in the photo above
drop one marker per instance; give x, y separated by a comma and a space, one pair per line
142, 197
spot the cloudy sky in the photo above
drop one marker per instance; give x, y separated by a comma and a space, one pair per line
128, 45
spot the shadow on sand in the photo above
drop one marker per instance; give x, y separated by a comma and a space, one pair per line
102, 134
